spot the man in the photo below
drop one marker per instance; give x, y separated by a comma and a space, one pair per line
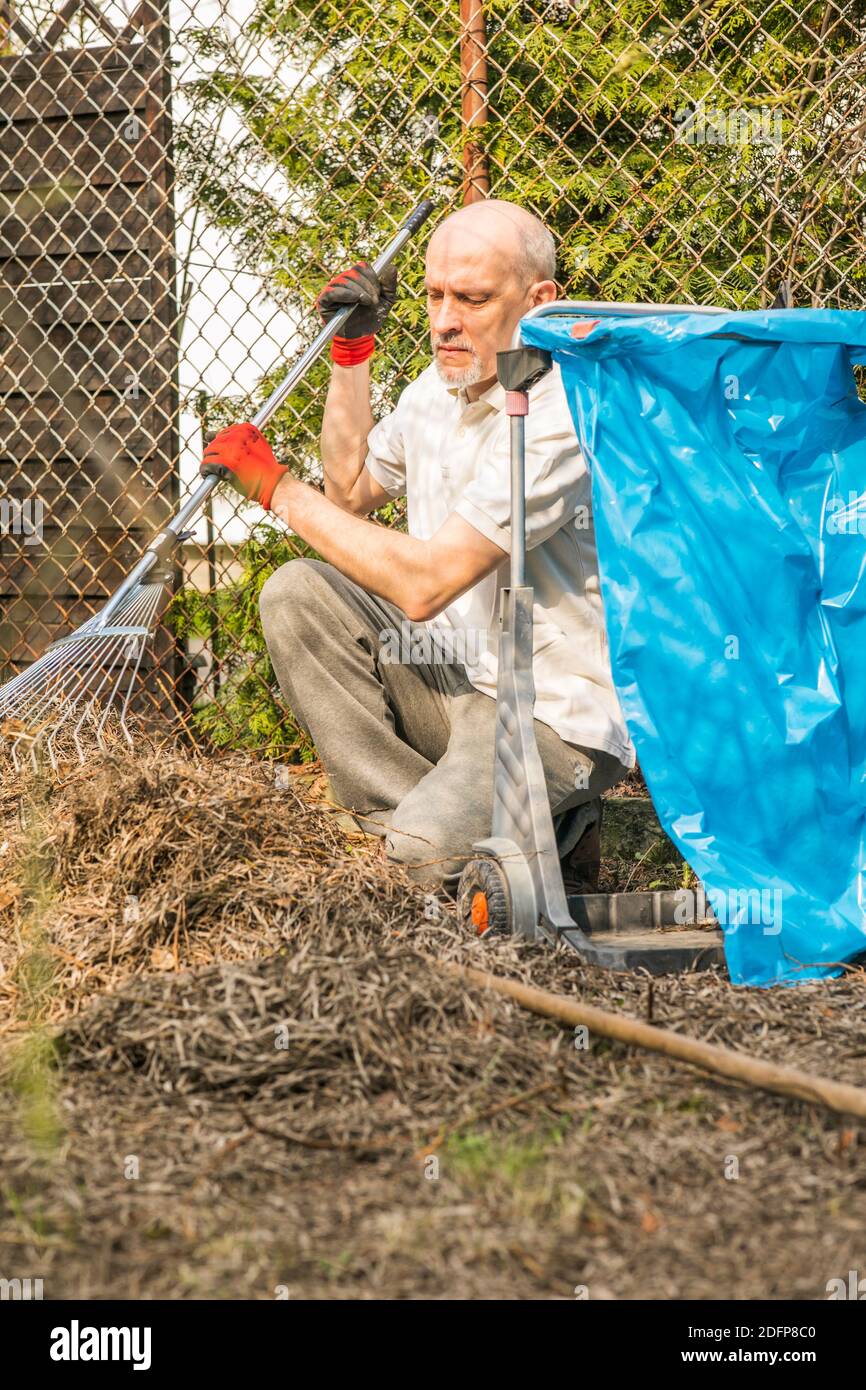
386, 650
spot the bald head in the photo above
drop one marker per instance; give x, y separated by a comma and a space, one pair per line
514, 238
487, 265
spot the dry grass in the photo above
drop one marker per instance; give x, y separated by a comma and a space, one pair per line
241, 1005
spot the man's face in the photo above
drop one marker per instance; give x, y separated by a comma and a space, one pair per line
474, 303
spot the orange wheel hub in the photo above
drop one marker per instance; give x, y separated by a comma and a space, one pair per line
480, 912
483, 898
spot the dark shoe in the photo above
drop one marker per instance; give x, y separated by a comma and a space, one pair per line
581, 867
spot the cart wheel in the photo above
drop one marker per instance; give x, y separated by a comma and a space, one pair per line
484, 901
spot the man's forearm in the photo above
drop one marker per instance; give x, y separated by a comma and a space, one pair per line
348, 420
421, 577
388, 563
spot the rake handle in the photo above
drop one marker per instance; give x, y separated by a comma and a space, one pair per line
167, 539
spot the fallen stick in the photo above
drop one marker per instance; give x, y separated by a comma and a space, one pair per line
765, 1076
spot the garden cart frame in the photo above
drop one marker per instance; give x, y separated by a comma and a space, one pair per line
515, 884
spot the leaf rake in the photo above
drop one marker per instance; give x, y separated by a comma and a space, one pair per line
89, 676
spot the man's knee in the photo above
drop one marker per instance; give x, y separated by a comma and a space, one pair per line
292, 595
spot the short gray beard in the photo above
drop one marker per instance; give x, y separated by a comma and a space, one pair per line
470, 376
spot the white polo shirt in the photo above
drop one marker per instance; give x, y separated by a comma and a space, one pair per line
447, 455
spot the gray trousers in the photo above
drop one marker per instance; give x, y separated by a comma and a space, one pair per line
408, 742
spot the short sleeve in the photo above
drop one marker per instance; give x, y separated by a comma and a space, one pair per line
557, 481
386, 455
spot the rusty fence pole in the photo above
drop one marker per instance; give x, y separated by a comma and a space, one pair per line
473, 89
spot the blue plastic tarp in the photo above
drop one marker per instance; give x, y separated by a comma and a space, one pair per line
728, 457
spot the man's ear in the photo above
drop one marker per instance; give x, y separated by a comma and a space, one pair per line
543, 292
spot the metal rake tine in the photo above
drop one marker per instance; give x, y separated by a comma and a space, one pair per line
55, 656
46, 704
49, 690
19, 682
145, 606
47, 699
94, 698
125, 706
36, 676
106, 712
56, 679
85, 713
43, 673
141, 644
67, 692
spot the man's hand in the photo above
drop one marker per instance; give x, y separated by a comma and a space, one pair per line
243, 457
373, 297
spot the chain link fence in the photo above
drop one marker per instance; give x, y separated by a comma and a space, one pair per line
178, 180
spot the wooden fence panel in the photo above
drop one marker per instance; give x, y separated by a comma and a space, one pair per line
88, 330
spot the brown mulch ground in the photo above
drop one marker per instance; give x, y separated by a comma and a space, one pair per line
632, 784
232, 1068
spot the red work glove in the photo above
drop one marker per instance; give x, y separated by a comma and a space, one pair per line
243, 457
373, 295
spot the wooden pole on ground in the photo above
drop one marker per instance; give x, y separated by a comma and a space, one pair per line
764, 1076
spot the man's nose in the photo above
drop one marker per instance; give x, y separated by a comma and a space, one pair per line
444, 317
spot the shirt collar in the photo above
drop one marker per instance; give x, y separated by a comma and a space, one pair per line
493, 397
